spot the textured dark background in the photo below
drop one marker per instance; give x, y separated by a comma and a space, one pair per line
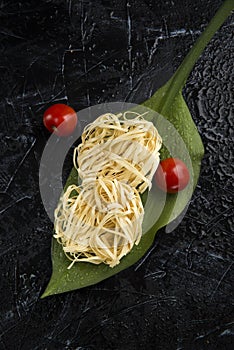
82, 53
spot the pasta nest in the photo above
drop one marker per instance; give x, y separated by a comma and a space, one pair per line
99, 222
121, 148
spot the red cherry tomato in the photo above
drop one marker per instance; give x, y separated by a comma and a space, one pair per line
172, 175
60, 119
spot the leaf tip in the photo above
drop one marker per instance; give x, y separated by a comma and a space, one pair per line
48, 291
45, 294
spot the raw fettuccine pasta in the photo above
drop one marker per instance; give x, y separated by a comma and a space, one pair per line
99, 222
125, 148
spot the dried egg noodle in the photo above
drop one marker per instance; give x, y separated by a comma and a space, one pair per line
100, 220
127, 149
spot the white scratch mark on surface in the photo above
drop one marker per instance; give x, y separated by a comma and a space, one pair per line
10, 34
7, 250
7, 330
144, 258
226, 332
23, 95
153, 302
134, 87
55, 82
166, 28
172, 34
215, 220
220, 281
20, 164
155, 275
63, 77
37, 88
216, 256
129, 30
16, 287
83, 36
153, 49
13, 204
213, 330
53, 99
28, 321
97, 64
188, 259
69, 8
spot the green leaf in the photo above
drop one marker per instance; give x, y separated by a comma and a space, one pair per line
168, 101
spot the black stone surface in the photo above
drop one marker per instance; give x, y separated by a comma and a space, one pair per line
180, 296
